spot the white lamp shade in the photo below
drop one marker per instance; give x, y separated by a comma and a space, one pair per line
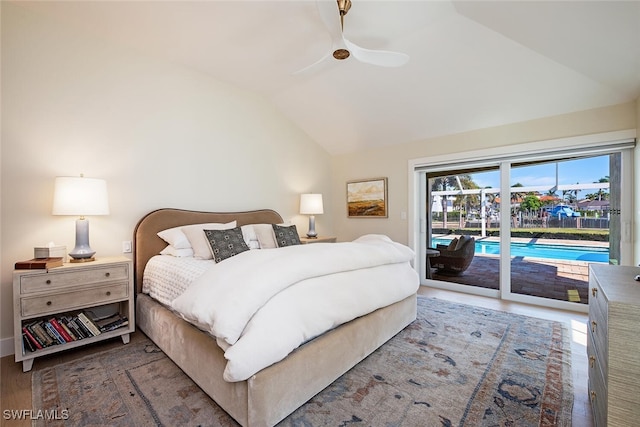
311, 204
80, 196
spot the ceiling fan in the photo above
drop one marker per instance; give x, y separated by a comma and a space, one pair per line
343, 48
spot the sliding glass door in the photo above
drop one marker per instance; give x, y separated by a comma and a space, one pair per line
537, 223
465, 203
560, 223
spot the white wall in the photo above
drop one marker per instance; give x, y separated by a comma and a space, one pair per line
392, 161
161, 135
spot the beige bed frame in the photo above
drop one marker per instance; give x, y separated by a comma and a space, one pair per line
273, 393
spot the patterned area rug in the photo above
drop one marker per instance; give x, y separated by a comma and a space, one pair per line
455, 365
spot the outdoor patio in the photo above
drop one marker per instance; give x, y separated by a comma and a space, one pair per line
538, 277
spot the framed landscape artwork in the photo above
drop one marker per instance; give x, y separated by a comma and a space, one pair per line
367, 198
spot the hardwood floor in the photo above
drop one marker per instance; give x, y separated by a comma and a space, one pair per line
16, 385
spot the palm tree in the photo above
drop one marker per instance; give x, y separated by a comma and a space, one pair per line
601, 194
516, 196
571, 196
468, 200
491, 202
443, 183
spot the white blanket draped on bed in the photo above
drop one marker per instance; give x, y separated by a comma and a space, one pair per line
262, 304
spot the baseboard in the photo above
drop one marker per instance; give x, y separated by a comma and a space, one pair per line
6, 347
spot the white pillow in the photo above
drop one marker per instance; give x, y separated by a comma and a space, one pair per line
199, 243
266, 236
250, 237
179, 253
175, 237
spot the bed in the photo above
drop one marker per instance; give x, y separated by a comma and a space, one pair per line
268, 396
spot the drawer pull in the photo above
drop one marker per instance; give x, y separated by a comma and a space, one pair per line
108, 293
594, 291
49, 303
107, 274
48, 282
592, 361
593, 326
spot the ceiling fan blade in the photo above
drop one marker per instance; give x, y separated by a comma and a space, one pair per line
330, 16
312, 66
382, 58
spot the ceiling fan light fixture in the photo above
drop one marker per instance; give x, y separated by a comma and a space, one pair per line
341, 54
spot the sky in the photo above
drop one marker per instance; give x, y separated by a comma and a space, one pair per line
581, 171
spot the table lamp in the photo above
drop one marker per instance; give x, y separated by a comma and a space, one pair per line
311, 204
80, 196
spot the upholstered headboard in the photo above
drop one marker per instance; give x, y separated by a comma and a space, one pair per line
146, 242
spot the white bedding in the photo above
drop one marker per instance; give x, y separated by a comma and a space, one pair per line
299, 314
263, 304
167, 277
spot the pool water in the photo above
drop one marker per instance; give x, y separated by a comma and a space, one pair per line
540, 250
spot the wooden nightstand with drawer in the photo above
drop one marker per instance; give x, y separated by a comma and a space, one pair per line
61, 293
320, 239
613, 346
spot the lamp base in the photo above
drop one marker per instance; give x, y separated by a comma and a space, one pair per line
82, 252
82, 259
311, 234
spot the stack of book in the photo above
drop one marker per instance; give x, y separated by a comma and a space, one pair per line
110, 323
61, 329
39, 264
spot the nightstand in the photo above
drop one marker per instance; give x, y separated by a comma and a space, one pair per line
304, 240
104, 285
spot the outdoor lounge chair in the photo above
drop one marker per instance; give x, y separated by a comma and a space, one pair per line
455, 257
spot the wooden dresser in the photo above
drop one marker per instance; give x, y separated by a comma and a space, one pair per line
613, 345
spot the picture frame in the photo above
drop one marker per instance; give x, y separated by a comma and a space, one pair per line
367, 198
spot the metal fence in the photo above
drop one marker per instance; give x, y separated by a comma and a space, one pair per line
537, 222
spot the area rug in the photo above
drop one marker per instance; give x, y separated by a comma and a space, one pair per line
455, 365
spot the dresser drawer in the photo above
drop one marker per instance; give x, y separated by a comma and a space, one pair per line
599, 324
598, 398
597, 383
72, 277
598, 338
597, 300
64, 301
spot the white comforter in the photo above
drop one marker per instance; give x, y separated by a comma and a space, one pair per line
262, 304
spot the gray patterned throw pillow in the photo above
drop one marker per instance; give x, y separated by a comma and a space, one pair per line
286, 235
225, 243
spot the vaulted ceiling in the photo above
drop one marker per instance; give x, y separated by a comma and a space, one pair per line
473, 64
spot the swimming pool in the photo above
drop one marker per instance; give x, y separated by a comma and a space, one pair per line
540, 250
